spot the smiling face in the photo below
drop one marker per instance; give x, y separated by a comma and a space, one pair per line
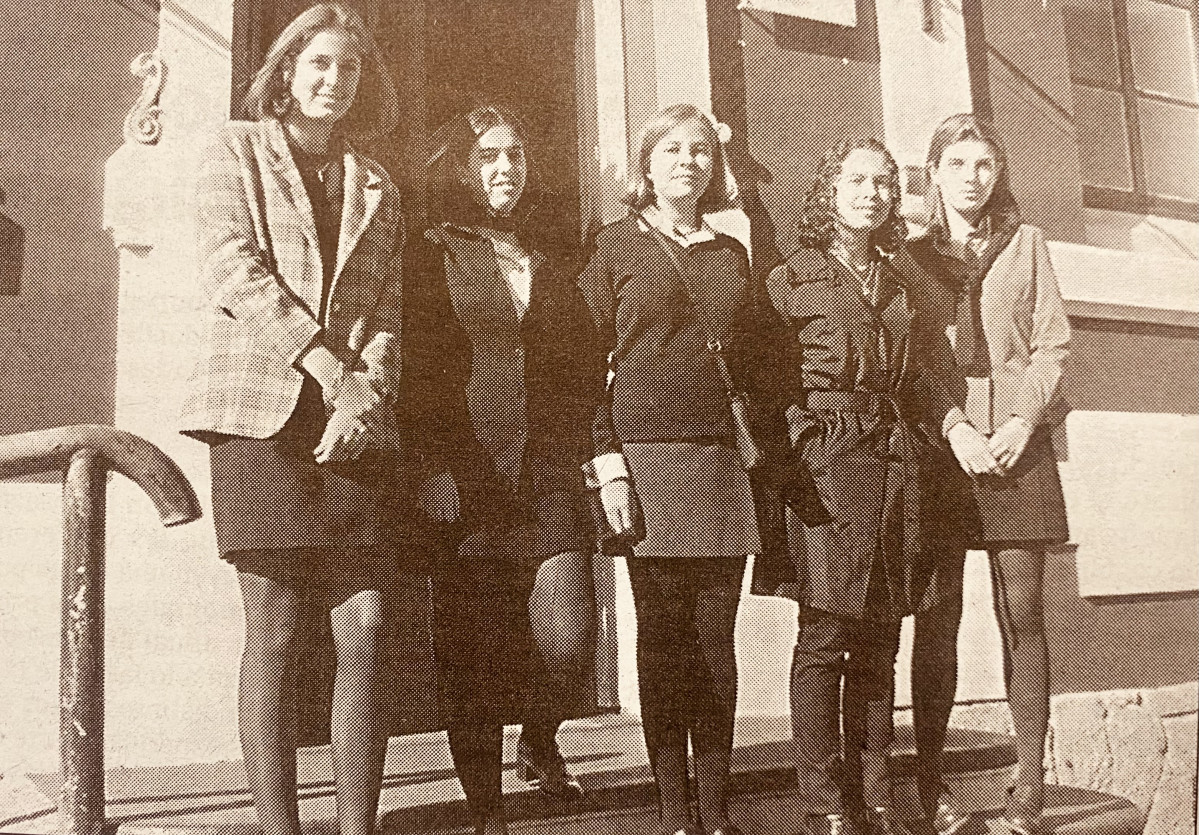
681, 163
864, 192
326, 75
966, 175
496, 171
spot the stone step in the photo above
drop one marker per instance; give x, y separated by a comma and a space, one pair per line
421, 792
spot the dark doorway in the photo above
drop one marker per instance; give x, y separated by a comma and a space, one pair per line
446, 58
521, 56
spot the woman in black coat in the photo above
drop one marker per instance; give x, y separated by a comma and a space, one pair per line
501, 377
870, 385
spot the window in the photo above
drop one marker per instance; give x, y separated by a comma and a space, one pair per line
1136, 103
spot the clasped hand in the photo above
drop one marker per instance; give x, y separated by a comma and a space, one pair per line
617, 499
997, 455
360, 416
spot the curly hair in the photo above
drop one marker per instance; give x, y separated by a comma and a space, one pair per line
722, 190
817, 225
375, 111
1002, 206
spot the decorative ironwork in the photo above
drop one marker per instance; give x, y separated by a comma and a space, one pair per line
142, 124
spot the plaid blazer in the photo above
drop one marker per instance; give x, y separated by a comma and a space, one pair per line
261, 272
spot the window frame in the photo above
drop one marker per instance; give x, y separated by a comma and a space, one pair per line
1138, 199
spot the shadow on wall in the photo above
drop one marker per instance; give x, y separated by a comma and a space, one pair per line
58, 333
1112, 643
12, 253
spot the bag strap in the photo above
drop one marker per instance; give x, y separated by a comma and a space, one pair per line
715, 347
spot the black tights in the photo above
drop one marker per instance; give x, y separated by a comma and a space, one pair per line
686, 611
482, 616
267, 705
1018, 583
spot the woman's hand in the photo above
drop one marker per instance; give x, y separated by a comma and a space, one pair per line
344, 439
972, 451
1009, 441
438, 497
617, 499
353, 394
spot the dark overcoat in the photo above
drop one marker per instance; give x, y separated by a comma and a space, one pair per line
870, 385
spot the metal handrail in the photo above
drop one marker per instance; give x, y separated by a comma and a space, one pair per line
86, 454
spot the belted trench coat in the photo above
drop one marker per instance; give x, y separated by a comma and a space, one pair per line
870, 384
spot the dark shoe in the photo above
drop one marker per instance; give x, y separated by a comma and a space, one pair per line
727, 829
880, 822
948, 819
832, 825
1024, 806
492, 826
547, 772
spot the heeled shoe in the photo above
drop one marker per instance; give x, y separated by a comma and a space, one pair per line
548, 772
948, 819
727, 829
832, 825
1024, 808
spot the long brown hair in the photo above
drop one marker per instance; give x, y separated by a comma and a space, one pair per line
1002, 206
375, 111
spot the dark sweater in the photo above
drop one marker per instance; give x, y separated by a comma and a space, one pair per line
666, 386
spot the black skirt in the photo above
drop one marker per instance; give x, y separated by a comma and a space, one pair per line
270, 493
1027, 506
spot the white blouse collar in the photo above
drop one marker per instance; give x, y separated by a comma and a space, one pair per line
651, 214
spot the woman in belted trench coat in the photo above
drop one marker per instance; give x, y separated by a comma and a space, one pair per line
299, 242
870, 385
502, 374
995, 290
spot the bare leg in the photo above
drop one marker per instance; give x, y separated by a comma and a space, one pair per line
266, 715
1018, 577
356, 726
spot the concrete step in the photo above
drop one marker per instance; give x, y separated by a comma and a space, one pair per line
421, 792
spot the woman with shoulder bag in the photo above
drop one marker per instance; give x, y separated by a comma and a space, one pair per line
679, 313
299, 241
869, 383
1000, 300
501, 376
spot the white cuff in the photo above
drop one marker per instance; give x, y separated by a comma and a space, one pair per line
952, 419
605, 468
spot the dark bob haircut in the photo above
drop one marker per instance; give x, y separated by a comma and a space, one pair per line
375, 111
722, 190
818, 219
1002, 206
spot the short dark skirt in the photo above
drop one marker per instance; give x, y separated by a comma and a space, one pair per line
1027, 506
271, 494
697, 500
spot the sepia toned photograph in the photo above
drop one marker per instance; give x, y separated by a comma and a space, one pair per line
604, 417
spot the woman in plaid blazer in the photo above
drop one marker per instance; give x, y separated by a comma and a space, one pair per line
299, 242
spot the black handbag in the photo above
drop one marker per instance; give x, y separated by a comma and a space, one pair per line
752, 456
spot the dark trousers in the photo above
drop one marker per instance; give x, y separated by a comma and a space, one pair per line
686, 611
835, 776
